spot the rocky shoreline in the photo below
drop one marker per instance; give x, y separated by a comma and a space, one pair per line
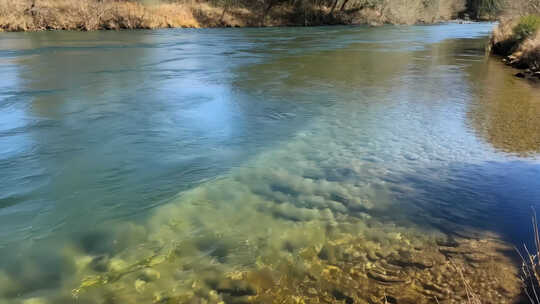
528, 74
525, 72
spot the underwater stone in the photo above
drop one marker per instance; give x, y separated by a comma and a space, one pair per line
449, 242
213, 295
81, 262
140, 285
408, 259
7, 285
157, 260
386, 278
433, 287
150, 275
34, 301
475, 257
326, 253
116, 264
214, 247
97, 242
235, 288
390, 300
372, 256
236, 300
100, 263
450, 251
364, 216
157, 297
340, 296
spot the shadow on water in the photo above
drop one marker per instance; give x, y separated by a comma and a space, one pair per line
463, 198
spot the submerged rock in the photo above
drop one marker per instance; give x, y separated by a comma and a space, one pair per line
235, 288
140, 285
100, 263
387, 277
150, 275
34, 301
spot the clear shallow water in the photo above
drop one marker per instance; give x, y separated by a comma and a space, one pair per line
215, 155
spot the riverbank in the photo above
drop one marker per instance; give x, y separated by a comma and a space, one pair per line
518, 41
87, 15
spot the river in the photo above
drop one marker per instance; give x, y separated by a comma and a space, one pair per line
275, 165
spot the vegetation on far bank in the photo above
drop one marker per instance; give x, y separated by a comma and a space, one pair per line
517, 38
32, 15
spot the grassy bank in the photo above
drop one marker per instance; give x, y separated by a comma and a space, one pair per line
517, 38
34, 15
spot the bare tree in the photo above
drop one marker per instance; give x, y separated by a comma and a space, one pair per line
344, 4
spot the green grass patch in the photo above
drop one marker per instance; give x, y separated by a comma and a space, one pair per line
527, 26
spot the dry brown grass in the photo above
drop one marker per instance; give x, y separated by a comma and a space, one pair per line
504, 30
530, 268
33, 15
472, 296
529, 52
18, 15
521, 53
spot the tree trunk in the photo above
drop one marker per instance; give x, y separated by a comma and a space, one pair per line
266, 11
333, 7
223, 13
344, 4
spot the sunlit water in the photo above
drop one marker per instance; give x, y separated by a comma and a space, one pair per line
262, 165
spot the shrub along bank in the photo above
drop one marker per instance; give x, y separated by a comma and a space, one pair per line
32, 15
518, 40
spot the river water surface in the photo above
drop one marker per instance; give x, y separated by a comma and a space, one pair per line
279, 165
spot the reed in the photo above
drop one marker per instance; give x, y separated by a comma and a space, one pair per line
530, 267
472, 296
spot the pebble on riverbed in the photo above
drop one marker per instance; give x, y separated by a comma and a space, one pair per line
347, 269
274, 236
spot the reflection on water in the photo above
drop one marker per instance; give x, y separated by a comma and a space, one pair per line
339, 164
506, 112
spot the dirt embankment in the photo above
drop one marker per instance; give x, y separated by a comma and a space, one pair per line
35, 15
